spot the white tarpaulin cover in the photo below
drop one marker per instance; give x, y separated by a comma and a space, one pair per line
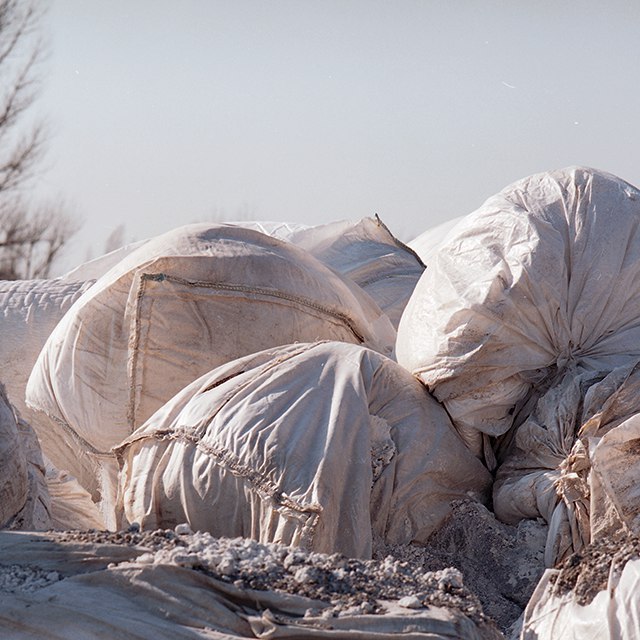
29, 311
429, 241
24, 501
543, 276
613, 614
169, 587
575, 461
368, 253
176, 307
320, 445
14, 481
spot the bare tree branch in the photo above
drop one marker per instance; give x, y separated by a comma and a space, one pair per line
31, 236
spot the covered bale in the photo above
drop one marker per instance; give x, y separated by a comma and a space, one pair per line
29, 312
543, 277
367, 253
14, 480
24, 500
593, 595
575, 462
320, 445
174, 308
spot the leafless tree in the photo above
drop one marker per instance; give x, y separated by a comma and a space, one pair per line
31, 239
115, 240
31, 235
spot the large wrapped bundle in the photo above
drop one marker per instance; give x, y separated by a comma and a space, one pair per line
591, 596
575, 462
14, 482
24, 500
367, 253
542, 277
319, 445
29, 311
179, 305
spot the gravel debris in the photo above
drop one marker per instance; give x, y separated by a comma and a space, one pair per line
587, 573
346, 585
500, 563
132, 537
26, 579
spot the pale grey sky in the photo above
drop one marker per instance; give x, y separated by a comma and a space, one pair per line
163, 113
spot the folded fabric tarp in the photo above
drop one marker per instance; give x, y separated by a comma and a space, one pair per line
575, 461
592, 596
24, 500
131, 586
319, 445
543, 277
367, 253
180, 304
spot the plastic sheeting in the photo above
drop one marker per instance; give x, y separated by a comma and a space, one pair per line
98, 591
29, 311
612, 615
544, 276
182, 303
14, 479
575, 461
24, 500
320, 446
367, 253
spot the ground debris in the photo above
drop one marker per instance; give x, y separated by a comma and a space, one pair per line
345, 586
587, 573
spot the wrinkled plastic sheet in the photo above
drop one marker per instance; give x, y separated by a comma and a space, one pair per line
543, 277
103, 595
614, 614
257, 448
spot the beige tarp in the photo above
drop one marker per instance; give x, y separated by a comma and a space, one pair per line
544, 276
319, 445
59, 589
177, 306
24, 500
575, 461
14, 482
367, 253
613, 614
29, 311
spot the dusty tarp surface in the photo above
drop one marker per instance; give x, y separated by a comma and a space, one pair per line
14, 479
171, 310
575, 461
367, 253
542, 277
319, 445
162, 585
29, 311
592, 596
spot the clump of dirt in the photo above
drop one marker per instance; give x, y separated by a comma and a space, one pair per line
500, 563
132, 537
24, 578
349, 586
587, 573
